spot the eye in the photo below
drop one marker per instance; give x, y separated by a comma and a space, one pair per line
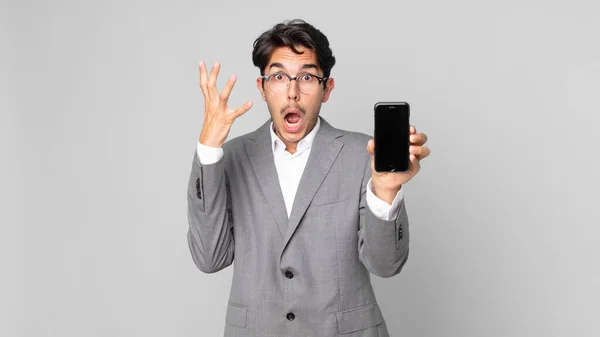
307, 77
278, 77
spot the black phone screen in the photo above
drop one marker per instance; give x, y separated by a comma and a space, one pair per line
392, 137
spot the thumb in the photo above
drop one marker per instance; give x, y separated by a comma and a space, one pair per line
371, 146
371, 150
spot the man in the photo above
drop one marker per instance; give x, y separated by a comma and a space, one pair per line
296, 202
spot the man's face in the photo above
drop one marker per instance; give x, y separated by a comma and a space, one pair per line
294, 112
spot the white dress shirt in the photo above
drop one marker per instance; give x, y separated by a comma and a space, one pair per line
290, 167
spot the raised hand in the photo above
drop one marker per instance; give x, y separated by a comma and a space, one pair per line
218, 117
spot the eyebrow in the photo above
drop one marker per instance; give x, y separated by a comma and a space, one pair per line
304, 66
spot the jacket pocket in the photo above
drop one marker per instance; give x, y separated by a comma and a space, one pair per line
236, 315
326, 209
359, 319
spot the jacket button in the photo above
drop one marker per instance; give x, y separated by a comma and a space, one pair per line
198, 194
290, 316
289, 274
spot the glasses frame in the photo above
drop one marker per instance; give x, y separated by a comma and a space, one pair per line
267, 77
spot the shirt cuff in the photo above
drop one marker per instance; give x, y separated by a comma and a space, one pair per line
208, 155
380, 208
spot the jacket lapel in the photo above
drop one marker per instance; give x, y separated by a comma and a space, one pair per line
324, 151
261, 157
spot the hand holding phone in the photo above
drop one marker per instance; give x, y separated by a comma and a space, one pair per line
392, 132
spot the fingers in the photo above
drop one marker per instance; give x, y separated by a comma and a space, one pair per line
420, 152
208, 84
418, 139
212, 81
203, 80
243, 109
415, 165
224, 96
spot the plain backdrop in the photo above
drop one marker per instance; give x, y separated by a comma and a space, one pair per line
101, 111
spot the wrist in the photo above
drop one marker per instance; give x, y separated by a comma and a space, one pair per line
209, 143
385, 193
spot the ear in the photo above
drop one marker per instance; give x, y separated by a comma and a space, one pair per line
328, 88
259, 85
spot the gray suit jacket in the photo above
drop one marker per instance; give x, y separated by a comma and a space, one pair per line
308, 275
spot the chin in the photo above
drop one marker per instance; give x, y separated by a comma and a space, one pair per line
294, 137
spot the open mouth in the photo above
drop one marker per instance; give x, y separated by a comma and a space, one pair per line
292, 121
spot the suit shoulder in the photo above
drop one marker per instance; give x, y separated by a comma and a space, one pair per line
235, 145
235, 142
353, 138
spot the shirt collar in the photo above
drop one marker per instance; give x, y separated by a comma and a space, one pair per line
304, 144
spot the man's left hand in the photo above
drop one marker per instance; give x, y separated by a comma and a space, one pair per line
387, 184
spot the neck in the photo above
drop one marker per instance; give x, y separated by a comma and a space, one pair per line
289, 146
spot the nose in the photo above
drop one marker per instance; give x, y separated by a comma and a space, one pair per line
293, 92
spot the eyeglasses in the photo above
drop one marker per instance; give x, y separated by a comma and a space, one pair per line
307, 83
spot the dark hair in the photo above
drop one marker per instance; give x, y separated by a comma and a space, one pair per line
291, 34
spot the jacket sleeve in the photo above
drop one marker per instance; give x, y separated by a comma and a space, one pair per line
382, 245
210, 234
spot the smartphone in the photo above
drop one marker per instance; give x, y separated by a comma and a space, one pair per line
392, 131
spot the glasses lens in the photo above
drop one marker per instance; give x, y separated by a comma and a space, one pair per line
278, 82
307, 83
